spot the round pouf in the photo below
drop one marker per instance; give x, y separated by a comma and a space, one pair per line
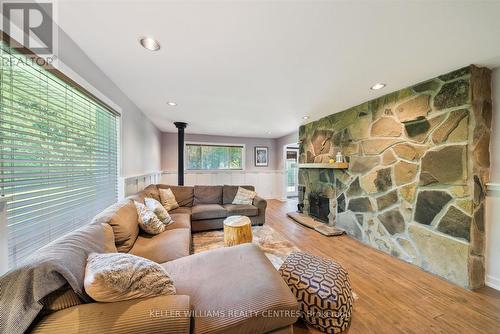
323, 290
237, 230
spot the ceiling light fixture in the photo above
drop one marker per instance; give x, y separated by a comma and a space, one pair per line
150, 43
378, 86
305, 117
172, 104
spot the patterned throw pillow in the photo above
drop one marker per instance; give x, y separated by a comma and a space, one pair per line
159, 210
114, 277
244, 196
148, 221
168, 200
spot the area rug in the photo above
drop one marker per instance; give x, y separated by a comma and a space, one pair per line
273, 244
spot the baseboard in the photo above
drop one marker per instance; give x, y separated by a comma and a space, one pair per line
493, 282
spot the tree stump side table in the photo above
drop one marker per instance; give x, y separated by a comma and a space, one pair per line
237, 230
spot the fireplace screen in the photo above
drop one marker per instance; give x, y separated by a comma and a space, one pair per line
319, 207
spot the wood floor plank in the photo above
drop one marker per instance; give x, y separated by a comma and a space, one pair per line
394, 296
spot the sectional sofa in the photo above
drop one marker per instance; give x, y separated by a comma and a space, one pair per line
227, 290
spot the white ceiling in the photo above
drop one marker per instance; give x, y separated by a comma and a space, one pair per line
249, 68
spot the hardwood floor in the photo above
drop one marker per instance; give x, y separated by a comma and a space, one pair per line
394, 296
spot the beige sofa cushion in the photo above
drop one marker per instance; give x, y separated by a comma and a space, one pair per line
168, 200
163, 247
122, 217
182, 210
208, 211
229, 192
145, 316
236, 279
152, 191
114, 277
241, 210
207, 195
60, 299
180, 220
183, 194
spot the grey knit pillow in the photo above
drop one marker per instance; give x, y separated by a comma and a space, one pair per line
113, 277
148, 221
159, 210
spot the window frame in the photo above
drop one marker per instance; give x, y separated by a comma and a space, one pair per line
217, 170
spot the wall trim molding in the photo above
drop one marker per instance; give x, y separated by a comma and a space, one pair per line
493, 187
493, 282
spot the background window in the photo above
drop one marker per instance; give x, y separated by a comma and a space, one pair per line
209, 157
58, 155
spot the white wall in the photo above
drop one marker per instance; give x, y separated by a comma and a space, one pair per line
140, 139
493, 199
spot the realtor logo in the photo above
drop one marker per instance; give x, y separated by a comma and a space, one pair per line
29, 23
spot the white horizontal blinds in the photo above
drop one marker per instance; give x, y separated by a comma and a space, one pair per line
58, 155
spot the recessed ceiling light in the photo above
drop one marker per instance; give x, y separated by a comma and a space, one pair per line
150, 43
305, 117
172, 104
268, 132
377, 86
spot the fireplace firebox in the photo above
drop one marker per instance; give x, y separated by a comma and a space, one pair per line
319, 207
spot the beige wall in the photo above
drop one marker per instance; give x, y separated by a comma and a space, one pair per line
169, 149
493, 199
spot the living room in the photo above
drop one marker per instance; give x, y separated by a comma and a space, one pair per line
249, 167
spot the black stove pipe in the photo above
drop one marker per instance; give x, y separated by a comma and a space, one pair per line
180, 149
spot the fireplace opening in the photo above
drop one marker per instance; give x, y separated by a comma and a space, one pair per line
319, 207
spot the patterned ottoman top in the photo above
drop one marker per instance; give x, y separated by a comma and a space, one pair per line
322, 288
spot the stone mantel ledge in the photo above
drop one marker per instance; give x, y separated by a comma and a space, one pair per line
336, 165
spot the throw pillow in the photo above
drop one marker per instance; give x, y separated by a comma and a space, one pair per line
159, 210
148, 221
114, 277
168, 200
244, 196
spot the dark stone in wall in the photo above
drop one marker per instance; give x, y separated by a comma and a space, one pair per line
383, 182
429, 204
360, 217
455, 223
354, 189
455, 74
431, 85
479, 193
362, 204
387, 200
446, 166
341, 203
452, 94
393, 221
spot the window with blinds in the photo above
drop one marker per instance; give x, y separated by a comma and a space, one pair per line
58, 155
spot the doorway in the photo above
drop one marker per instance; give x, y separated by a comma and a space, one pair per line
292, 171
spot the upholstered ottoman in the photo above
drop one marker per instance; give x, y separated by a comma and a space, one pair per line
323, 290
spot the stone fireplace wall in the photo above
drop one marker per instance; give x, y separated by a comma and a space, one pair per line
419, 163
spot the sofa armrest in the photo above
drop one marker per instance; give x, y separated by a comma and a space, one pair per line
162, 314
260, 203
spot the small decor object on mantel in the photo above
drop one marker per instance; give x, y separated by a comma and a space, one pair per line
261, 156
339, 157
